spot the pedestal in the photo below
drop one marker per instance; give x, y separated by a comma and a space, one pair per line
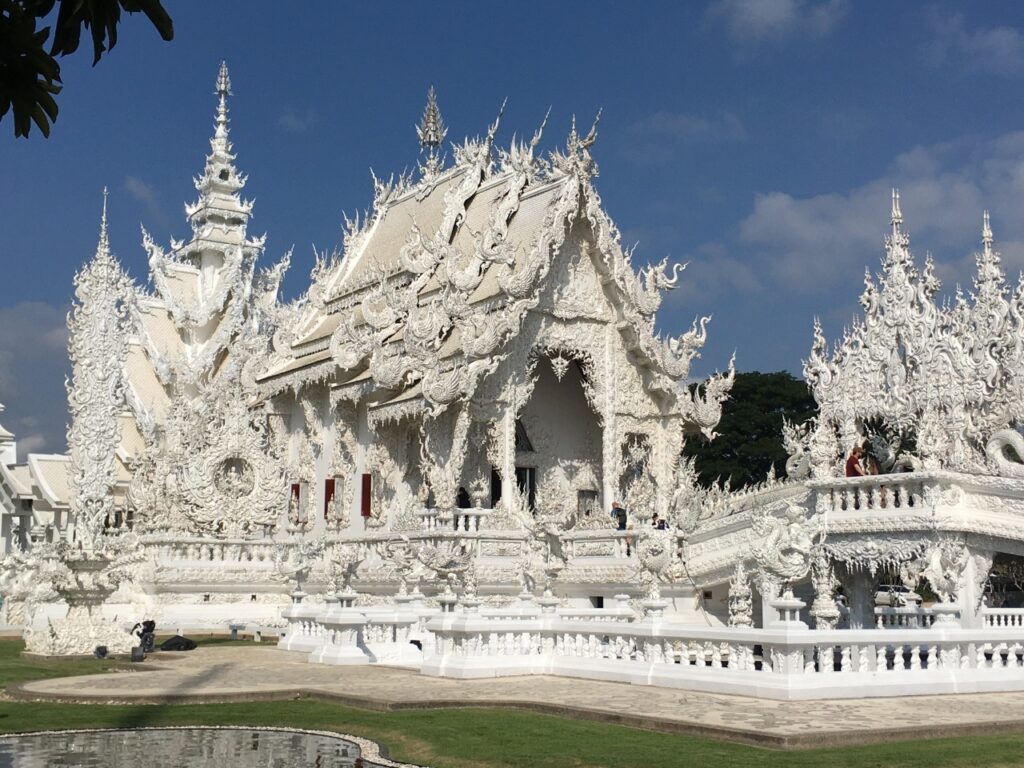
654, 608
448, 602
85, 585
946, 615
548, 604
788, 608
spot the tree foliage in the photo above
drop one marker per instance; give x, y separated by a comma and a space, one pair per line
749, 441
30, 74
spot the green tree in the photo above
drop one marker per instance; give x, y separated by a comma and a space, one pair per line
749, 441
29, 74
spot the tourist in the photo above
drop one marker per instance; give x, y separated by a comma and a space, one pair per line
619, 515
657, 523
853, 465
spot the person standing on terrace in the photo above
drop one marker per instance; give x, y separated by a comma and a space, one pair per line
853, 465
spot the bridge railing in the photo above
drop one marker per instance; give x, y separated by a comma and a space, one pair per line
903, 617
898, 491
1003, 617
772, 663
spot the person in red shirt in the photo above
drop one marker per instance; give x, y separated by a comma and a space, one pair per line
853, 465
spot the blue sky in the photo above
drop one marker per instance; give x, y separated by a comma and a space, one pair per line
755, 139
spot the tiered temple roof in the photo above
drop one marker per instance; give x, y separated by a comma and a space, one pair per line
437, 280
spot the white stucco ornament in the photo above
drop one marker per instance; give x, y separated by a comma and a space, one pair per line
784, 546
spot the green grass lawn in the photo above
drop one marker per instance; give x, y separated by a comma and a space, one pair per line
480, 738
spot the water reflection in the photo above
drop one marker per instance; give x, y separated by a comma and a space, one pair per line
181, 748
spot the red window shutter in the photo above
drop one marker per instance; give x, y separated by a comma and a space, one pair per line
367, 488
328, 494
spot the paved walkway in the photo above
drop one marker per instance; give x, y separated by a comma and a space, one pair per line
240, 672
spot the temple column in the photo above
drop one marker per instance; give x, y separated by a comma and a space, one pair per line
358, 522
609, 431
859, 586
972, 582
508, 452
767, 594
323, 462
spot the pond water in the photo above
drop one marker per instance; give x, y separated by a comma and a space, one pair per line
182, 748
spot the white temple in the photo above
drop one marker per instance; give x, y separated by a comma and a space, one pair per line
427, 446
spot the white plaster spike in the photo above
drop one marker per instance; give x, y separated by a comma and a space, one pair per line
492, 131
591, 137
897, 214
540, 131
223, 91
223, 81
987, 239
104, 244
431, 130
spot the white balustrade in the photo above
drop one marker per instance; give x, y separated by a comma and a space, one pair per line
1003, 617
600, 543
461, 520
170, 548
898, 491
903, 617
773, 663
305, 632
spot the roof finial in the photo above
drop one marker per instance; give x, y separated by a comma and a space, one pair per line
897, 214
104, 245
540, 131
431, 132
223, 91
987, 238
492, 129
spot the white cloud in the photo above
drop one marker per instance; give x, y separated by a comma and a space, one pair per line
298, 121
687, 128
995, 50
657, 137
148, 196
30, 444
711, 273
769, 21
33, 364
810, 244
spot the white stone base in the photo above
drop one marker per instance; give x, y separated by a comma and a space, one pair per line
342, 655
69, 637
395, 654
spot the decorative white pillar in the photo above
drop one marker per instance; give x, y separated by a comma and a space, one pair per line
972, 582
860, 590
609, 441
359, 468
98, 329
91, 567
508, 452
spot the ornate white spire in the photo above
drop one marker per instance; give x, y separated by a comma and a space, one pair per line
989, 278
431, 132
577, 160
220, 184
223, 91
97, 344
897, 245
897, 214
104, 244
